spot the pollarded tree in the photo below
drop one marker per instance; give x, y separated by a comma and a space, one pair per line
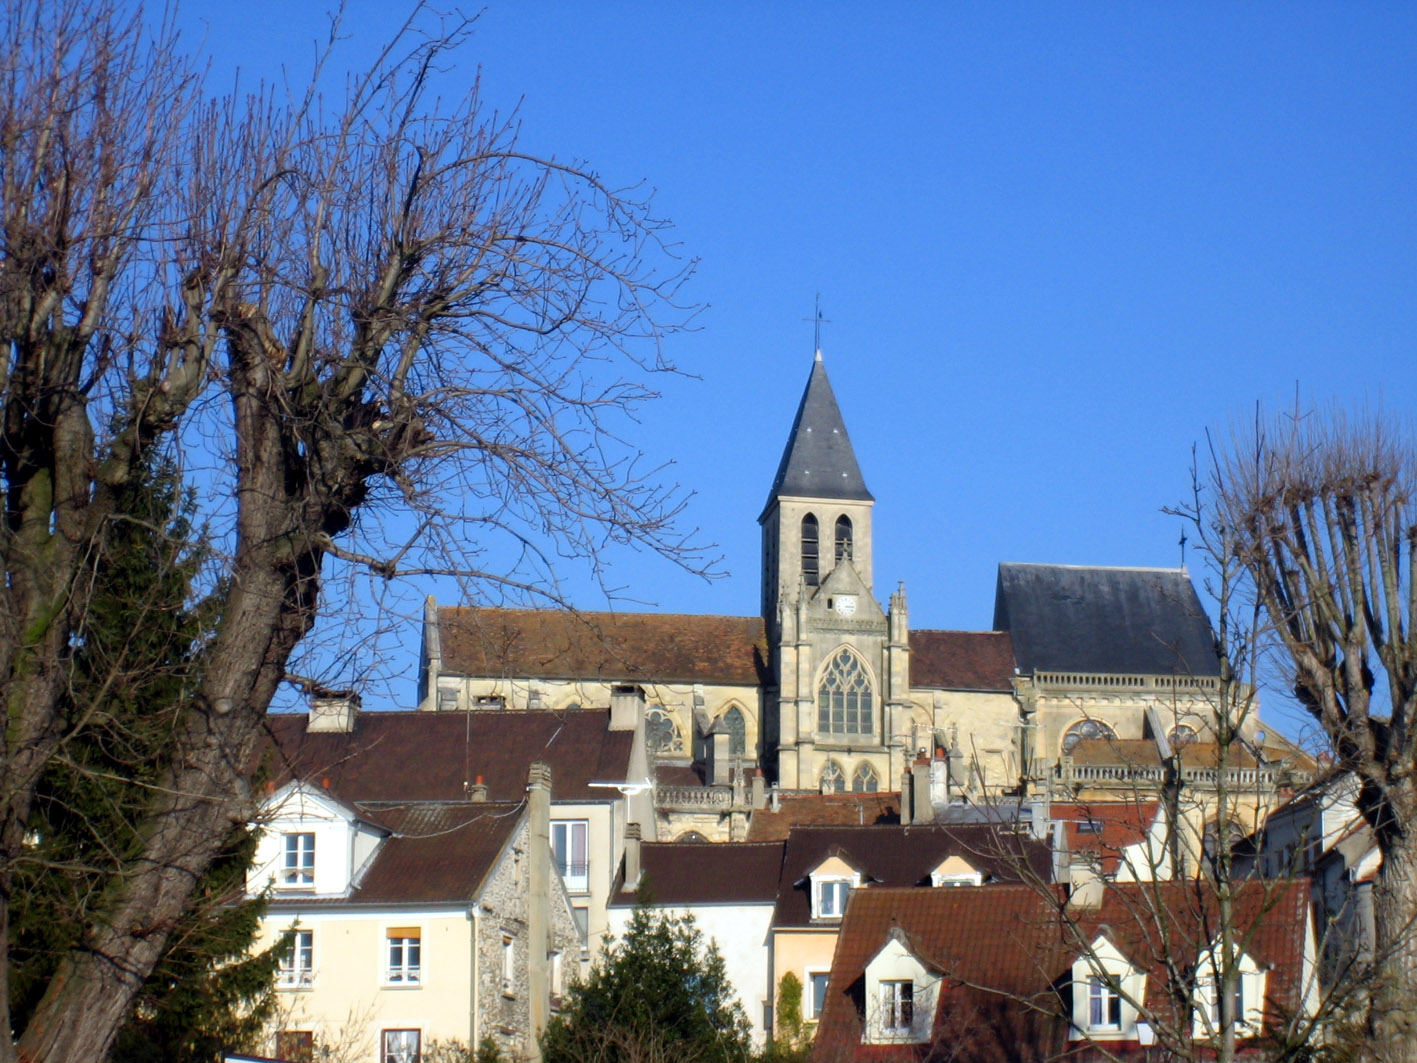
380, 333
1322, 513
659, 993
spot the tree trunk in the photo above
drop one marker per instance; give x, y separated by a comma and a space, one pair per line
1393, 1019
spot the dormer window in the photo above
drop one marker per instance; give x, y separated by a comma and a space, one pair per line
298, 863
901, 994
1107, 991
831, 897
1248, 999
956, 871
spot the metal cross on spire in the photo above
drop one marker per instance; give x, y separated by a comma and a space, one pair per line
818, 321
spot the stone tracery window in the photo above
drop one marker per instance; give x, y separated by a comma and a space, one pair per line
1181, 735
865, 781
661, 732
737, 732
845, 703
833, 781
843, 538
1086, 729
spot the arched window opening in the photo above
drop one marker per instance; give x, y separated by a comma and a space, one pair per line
833, 780
737, 732
844, 701
691, 836
810, 568
1086, 729
1181, 735
661, 732
865, 781
843, 538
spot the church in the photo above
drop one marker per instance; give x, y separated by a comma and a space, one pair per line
1089, 684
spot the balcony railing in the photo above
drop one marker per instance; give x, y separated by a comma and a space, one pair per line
694, 797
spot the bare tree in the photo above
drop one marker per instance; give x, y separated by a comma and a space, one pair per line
1321, 512
378, 333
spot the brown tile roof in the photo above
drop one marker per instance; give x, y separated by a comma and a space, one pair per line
439, 853
428, 756
1004, 950
645, 647
823, 810
1104, 827
962, 660
687, 873
903, 856
1142, 752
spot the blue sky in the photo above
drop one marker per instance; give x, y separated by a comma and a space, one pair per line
1055, 243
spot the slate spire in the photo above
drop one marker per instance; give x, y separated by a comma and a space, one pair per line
818, 461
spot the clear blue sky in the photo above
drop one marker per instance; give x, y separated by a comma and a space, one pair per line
1054, 242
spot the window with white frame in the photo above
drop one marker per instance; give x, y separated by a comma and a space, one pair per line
404, 949
298, 860
1248, 995
1104, 1004
401, 1046
829, 897
569, 841
816, 993
897, 1008
297, 962
1106, 991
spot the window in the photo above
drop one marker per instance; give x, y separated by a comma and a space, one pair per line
865, 780
737, 732
402, 1046
833, 781
298, 864
844, 699
1181, 735
405, 953
843, 538
569, 843
297, 963
1086, 729
558, 979
1239, 1014
897, 1007
582, 918
831, 897
297, 1046
661, 732
810, 570
816, 993
1104, 1005
509, 966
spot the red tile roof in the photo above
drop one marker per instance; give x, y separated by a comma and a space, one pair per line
688, 873
823, 810
644, 647
1004, 950
429, 756
962, 660
1104, 828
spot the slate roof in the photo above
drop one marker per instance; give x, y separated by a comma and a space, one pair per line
1003, 949
1133, 621
428, 756
902, 856
439, 853
612, 647
691, 873
818, 461
962, 660
823, 810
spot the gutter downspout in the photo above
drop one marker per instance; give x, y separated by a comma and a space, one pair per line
474, 1000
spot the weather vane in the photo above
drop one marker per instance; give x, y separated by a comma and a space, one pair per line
818, 321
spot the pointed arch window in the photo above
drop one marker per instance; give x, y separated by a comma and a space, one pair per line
865, 781
811, 569
845, 703
737, 732
843, 538
833, 780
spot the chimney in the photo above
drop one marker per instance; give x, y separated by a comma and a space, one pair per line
627, 706
332, 712
921, 810
758, 797
632, 856
1085, 883
719, 757
538, 902
477, 791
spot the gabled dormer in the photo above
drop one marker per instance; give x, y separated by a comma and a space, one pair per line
1249, 992
312, 845
1107, 990
955, 870
830, 883
901, 993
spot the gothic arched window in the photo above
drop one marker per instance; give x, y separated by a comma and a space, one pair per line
810, 567
843, 538
1086, 729
844, 701
737, 732
865, 780
661, 732
833, 781
1181, 735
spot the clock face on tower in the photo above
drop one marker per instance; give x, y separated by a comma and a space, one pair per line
845, 605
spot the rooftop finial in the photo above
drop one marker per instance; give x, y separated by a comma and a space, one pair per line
818, 321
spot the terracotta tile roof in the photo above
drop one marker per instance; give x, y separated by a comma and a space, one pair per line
1004, 950
1104, 827
428, 756
688, 873
962, 660
823, 810
903, 856
644, 647
439, 853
